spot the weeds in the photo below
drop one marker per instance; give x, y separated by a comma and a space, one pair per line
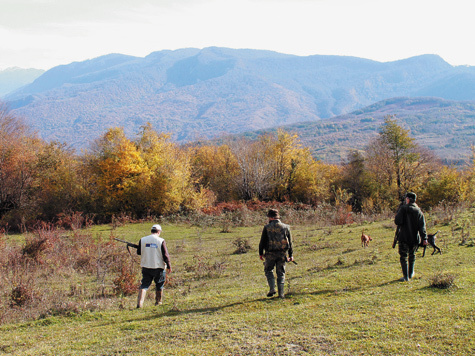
74, 220
33, 248
126, 283
21, 295
70, 308
201, 268
320, 246
242, 245
32, 274
442, 281
445, 212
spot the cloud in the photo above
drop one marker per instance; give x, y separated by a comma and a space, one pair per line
37, 13
62, 31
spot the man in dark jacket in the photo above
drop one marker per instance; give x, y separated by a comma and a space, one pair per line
412, 231
276, 241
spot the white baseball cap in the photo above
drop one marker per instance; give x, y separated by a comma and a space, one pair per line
157, 227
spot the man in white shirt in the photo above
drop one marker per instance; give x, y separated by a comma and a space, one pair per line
154, 260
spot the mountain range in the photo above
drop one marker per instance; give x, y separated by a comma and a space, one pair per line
13, 78
204, 93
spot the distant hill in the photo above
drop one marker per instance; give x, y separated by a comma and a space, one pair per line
195, 94
445, 127
14, 78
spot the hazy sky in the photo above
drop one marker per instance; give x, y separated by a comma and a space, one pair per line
46, 33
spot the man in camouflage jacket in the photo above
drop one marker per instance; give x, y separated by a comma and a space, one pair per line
276, 242
411, 233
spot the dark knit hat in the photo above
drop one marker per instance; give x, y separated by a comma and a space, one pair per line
411, 196
273, 213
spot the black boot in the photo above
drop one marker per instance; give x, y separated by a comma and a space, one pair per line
281, 285
410, 269
271, 282
404, 271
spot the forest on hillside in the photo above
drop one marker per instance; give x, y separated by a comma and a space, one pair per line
152, 176
196, 94
445, 127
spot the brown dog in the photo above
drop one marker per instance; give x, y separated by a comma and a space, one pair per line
365, 239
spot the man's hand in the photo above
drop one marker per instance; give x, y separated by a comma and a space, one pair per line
169, 270
290, 259
425, 242
261, 257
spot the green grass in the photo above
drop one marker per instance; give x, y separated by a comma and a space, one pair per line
341, 299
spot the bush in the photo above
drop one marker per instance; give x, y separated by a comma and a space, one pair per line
442, 281
21, 295
34, 247
126, 283
242, 245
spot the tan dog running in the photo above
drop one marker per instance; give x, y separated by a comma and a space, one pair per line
365, 239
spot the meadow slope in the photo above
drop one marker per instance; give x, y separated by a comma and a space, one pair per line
341, 299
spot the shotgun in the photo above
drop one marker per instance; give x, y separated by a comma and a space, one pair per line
129, 244
396, 235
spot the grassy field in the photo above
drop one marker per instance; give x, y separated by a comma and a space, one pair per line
341, 299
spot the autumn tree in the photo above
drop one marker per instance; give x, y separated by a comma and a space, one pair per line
18, 149
216, 168
448, 185
286, 155
58, 181
312, 180
116, 167
277, 167
355, 180
396, 163
470, 178
255, 168
168, 186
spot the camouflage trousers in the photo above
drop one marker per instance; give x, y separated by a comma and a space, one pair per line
275, 260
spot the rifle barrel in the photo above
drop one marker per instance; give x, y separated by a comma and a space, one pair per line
127, 242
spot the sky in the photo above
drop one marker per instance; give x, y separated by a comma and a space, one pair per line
45, 33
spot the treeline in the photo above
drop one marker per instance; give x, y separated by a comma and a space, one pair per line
153, 176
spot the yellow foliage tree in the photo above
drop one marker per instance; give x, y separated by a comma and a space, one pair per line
170, 186
277, 167
117, 167
313, 180
297, 176
216, 169
469, 178
287, 156
447, 185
